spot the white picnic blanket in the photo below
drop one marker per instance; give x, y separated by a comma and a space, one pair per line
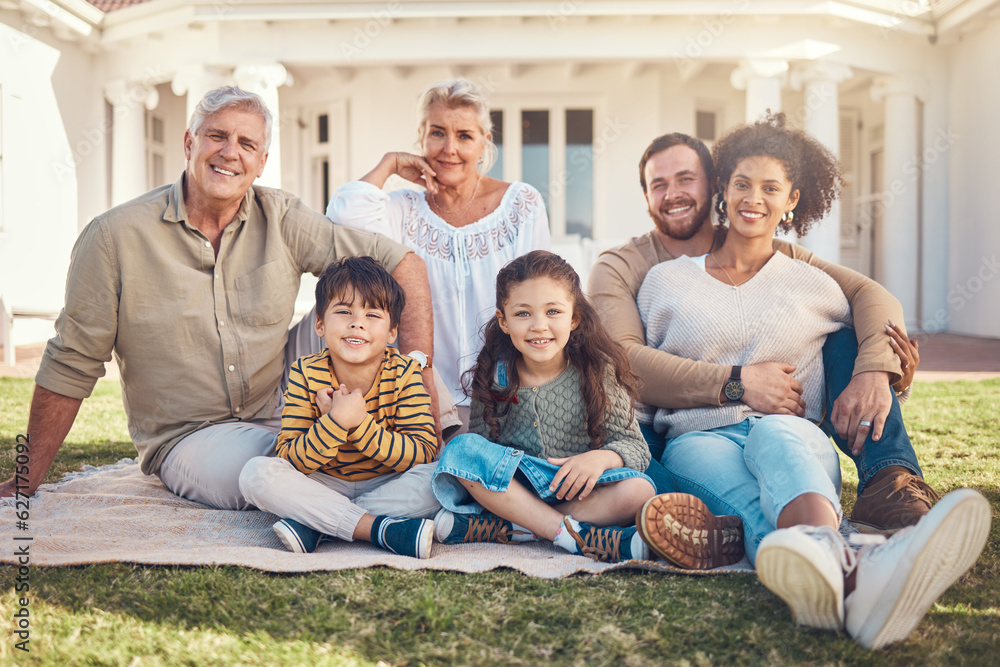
115, 513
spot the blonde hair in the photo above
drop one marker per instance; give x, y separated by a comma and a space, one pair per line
456, 93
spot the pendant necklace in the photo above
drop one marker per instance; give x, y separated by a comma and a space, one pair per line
464, 208
734, 283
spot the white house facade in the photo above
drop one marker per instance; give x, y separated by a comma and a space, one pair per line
94, 98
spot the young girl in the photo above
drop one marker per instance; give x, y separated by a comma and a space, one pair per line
553, 449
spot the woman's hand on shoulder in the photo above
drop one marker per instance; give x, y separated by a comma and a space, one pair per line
578, 474
413, 168
907, 349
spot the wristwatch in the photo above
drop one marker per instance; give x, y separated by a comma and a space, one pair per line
420, 358
734, 385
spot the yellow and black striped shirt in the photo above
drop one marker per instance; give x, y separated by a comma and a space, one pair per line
397, 434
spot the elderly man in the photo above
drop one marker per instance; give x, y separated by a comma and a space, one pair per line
192, 286
677, 178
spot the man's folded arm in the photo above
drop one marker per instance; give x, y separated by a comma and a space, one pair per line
668, 381
872, 306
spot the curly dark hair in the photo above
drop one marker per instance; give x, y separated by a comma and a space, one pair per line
590, 348
812, 169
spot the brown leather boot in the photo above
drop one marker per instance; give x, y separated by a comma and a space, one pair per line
895, 498
681, 529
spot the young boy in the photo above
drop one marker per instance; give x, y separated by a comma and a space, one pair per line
357, 441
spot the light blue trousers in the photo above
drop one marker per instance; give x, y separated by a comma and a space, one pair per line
754, 469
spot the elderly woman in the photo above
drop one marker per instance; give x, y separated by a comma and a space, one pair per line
464, 224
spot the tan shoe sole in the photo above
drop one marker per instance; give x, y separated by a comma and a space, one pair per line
951, 543
871, 529
815, 600
681, 529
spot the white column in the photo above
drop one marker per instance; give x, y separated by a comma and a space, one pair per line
821, 111
194, 81
129, 102
896, 259
762, 79
264, 80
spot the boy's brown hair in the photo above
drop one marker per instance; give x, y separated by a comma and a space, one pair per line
364, 277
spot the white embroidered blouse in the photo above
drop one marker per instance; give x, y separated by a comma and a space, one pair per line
462, 262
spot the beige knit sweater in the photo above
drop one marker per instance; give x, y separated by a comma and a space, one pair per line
674, 382
783, 314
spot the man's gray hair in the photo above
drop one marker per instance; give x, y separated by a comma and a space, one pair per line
455, 93
231, 97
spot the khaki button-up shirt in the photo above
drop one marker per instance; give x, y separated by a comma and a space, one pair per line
199, 339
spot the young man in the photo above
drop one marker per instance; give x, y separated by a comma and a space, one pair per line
357, 435
677, 178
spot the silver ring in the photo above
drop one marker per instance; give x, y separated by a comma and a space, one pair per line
865, 423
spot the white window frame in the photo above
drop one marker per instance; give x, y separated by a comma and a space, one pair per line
556, 105
336, 150
154, 149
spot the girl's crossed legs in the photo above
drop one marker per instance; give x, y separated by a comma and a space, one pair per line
513, 488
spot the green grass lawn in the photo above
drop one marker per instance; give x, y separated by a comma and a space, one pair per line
139, 615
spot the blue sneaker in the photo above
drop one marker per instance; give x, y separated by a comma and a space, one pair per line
452, 528
611, 544
296, 537
406, 537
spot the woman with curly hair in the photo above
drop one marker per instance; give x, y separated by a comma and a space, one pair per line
744, 303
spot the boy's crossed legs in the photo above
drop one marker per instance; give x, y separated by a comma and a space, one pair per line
369, 510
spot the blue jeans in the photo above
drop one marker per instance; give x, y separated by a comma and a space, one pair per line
473, 457
754, 469
839, 354
662, 480
894, 448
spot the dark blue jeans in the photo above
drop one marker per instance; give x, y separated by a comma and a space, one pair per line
839, 354
894, 448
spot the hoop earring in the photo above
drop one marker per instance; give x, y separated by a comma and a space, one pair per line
720, 208
788, 217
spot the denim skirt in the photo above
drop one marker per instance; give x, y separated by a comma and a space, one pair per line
474, 458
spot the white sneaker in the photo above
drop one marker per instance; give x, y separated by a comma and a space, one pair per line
805, 567
899, 580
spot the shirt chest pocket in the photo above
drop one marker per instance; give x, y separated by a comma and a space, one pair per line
266, 294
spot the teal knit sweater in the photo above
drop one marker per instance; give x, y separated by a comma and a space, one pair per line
551, 421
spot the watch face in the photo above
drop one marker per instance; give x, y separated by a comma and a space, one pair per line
419, 357
734, 390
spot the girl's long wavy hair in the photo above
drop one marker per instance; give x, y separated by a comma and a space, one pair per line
589, 348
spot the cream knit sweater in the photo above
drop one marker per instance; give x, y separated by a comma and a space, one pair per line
781, 314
